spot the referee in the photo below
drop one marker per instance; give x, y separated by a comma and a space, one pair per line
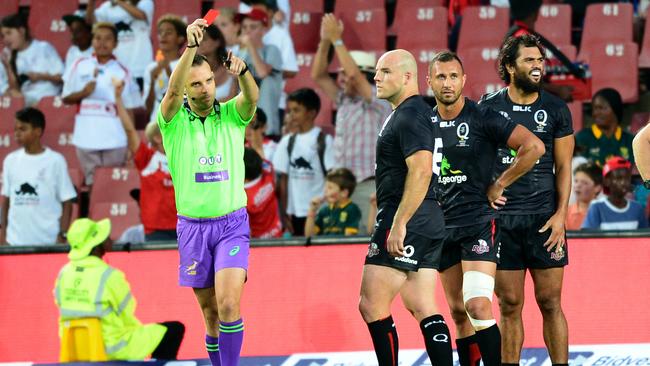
204, 141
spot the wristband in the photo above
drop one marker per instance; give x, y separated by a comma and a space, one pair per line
245, 70
338, 42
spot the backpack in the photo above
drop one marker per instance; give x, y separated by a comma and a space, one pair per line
320, 147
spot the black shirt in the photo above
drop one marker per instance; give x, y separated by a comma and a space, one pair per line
548, 118
470, 143
408, 129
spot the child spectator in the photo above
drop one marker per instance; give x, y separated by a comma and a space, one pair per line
82, 37
156, 198
340, 216
587, 184
262, 206
255, 138
302, 159
37, 192
616, 212
171, 39
35, 68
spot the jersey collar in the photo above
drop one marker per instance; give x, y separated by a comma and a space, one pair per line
342, 205
598, 133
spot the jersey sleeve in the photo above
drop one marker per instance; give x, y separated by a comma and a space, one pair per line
71, 81
65, 189
147, 7
565, 122
6, 168
289, 60
281, 156
592, 220
328, 157
230, 113
353, 219
498, 127
414, 131
142, 156
121, 300
273, 57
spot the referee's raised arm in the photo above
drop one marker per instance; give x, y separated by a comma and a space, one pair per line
173, 99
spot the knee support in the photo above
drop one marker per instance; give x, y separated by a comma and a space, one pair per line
478, 284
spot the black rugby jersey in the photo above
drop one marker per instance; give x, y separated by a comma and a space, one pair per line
408, 129
548, 118
470, 143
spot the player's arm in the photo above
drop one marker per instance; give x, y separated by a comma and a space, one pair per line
529, 149
416, 185
4, 214
173, 99
319, 66
66, 215
310, 223
132, 137
283, 196
641, 148
246, 100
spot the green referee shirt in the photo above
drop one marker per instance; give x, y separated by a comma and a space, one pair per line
338, 219
597, 147
206, 160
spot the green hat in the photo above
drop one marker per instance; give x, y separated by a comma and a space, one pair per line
85, 234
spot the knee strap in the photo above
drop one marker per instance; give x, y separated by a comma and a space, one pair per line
477, 284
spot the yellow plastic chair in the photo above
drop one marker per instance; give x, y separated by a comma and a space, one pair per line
82, 341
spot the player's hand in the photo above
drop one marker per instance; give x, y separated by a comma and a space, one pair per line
557, 238
195, 32
495, 195
233, 64
315, 203
331, 28
395, 241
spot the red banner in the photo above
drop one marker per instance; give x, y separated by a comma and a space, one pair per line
304, 299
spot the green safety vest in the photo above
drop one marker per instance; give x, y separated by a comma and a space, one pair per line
90, 288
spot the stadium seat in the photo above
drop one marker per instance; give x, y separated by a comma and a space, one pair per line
58, 116
364, 29
639, 120
123, 215
216, 4
576, 115
8, 7
483, 26
644, 57
82, 340
7, 145
46, 23
409, 25
8, 108
303, 80
311, 6
616, 65
343, 6
77, 178
480, 67
606, 23
61, 142
305, 31
554, 23
418, 11
423, 57
180, 8
113, 185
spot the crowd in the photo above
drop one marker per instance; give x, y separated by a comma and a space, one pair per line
300, 180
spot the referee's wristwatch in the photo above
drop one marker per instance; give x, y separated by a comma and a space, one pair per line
646, 184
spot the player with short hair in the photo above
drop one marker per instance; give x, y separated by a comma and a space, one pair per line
204, 141
532, 221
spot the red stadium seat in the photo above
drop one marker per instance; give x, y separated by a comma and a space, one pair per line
554, 23
8, 108
343, 6
113, 184
610, 23
187, 10
216, 4
303, 80
483, 26
77, 177
639, 120
364, 29
576, 115
311, 6
8, 7
46, 23
123, 215
61, 141
616, 65
58, 116
423, 57
7, 145
305, 30
417, 10
481, 70
413, 20
644, 57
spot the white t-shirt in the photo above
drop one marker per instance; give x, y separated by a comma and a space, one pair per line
40, 57
160, 86
306, 179
134, 47
36, 185
221, 92
97, 126
4, 80
73, 54
280, 38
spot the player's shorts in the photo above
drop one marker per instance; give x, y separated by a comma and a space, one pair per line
478, 242
208, 245
522, 245
419, 252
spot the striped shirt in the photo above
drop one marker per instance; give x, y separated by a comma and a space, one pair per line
357, 125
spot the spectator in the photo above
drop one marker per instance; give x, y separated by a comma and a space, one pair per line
280, 16
265, 63
213, 47
302, 159
171, 39
87, 285
587, 184
359, 115
229, 28
156, 197
98, 134
278, 36
262, 203
264, 146
82, 37
133, 20
340, 216
34, 67
616, 212
37, 192
605, 138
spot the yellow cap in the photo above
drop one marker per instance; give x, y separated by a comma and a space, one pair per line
85, 234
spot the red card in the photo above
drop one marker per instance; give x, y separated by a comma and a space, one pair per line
211, 15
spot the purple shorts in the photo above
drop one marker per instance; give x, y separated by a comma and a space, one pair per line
208, 245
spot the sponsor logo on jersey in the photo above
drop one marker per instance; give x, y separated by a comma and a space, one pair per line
540, 118
409, 250
445, 124
521, 108
481, 248
505, 114
373, 250
211, 160
558, 254
462, 131
449, 175
509, 159
191, 269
